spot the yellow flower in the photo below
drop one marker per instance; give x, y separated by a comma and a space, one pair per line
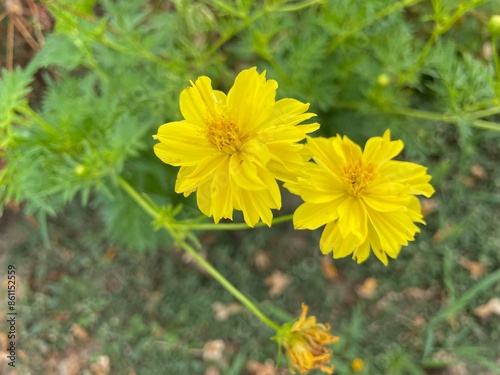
232, 148
357, 365
366, 200
304, 342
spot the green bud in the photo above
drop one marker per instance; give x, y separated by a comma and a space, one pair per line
494, 25
383, 80
79, 170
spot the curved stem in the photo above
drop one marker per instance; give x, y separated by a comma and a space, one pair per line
494, 41
228, 286
236, 226
432, 116
138, 198
152, 211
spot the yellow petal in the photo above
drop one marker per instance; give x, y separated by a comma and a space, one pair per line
411, 174
380, 149
251, 99
244, 172
190, 178
254, 207
393, 228
221, 194
321, 185
332, 240
272, 187
195, 100
181, 143
204, 200
352, 219
286, 161
312, 216
325, 154
362, 252
386, 197
291, 112
347, 149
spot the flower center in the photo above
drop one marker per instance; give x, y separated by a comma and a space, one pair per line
357, 176
222, 132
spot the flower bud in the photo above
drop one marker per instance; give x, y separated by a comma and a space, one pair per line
494, 25
79, 170
383, 80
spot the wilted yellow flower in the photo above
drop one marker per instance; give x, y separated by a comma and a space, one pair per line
366, 200
304, 342
232, 148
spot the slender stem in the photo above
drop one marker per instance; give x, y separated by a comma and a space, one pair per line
228, 286
442, 25
235, 226
484, 112
377, 16
494, 48
141, 201
433, 116
230, 34
27, 110
138, 198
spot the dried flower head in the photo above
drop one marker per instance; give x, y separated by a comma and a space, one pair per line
305, 343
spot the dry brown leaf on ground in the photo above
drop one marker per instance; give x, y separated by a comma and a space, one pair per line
428, 205
368, 288
328, 269
417, 293
266, 368
102, 366
442, 233
212, 371
476, 269
492, 307
222, 312
261, 260
213, 350
479, 172
79, 332
111, 253
277, 283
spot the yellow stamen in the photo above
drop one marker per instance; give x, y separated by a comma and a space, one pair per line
222, 131
357, 176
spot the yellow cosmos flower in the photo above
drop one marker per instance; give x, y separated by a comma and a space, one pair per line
304, 342
366, 200
232, 148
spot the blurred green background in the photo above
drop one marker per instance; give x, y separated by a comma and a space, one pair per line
103, 293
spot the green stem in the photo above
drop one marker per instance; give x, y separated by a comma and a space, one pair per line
226, 37
138, 198
27, 110
228, 286
442, 25
141, 201
236, 226
433, 116
494, 50
377, 16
